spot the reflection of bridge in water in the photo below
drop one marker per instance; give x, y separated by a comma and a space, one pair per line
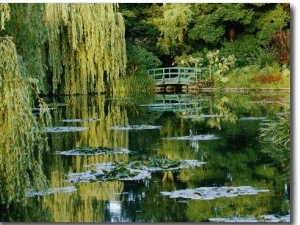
175, 103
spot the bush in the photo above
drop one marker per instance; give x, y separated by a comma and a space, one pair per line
262, 78
130, 84
139, 59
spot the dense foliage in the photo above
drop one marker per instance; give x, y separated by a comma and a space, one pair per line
87, 48
69, 48
256, 34
22, 142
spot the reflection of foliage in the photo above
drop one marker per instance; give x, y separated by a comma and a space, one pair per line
224, 111
242, 206
19, 213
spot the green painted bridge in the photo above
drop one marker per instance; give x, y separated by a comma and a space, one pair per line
175, 75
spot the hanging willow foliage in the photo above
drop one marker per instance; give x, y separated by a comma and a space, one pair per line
22, 140
86, 47
4, 14
29, 35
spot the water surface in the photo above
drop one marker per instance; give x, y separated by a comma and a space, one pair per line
220, 129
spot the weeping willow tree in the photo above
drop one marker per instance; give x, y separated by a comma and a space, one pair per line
4, 14
22, 140
29, 35
87, 49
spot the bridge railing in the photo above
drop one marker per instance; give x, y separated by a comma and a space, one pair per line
176, 73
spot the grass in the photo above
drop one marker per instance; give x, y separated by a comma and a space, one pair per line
131, 84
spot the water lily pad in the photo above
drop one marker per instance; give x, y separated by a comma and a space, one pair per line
136, 170
202, 116
109, 171
252, 118
200, 137
208, 193
51, 191
93, 151
164, 164
64, 129
252, 219
80, 120
134, 127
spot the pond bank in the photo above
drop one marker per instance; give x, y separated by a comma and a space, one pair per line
233, 89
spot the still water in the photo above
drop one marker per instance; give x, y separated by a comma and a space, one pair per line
220, 129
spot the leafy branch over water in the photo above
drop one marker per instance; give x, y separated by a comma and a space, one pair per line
21, 148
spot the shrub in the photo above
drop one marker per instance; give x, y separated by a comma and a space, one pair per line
270, 78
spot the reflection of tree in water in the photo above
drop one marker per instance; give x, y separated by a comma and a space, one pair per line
110, 113
90, 197
236, 207
87, 204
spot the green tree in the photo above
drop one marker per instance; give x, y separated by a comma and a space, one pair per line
22, 137
173, 27
69, 48
222, 21
30, 35
86, 47
139, 59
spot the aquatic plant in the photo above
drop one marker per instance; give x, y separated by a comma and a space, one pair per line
135, 127
276, 138
209, 193
94, 151
135, 170
278, 132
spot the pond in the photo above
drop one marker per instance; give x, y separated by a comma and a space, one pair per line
188, 157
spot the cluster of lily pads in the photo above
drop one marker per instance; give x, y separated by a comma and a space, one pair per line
200, 137
135, 127
251, 219
49, 191
208, 193
253, 118
202, 116
94, 151
80, 120
64, 129
135, 170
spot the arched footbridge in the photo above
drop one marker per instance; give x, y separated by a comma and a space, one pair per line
175, 75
